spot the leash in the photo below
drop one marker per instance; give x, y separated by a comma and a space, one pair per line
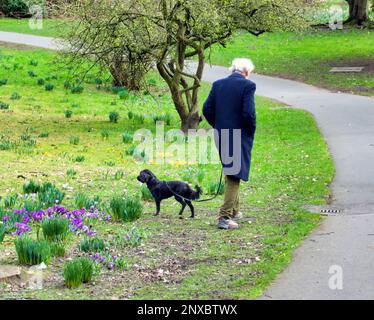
202, 200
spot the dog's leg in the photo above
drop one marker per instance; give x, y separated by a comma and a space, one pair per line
192, 209
158, 207
181, 201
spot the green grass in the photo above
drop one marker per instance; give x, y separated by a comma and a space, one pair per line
50, 28
307, 57
291, 167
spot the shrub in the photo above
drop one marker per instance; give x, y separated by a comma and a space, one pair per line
131, 150
134, 237
10, 201
72, 271
87, 269
78, 271
166, 118
123, 95
91, 245
117, 89
31, 74
74, 140
49, 195
32, 206
44, 135
200, 176
2, 231
3, 82
31, 252
15, 96
67, 84
41, 82
152, 82
139, 118
146, 194
4, 106
127, 137
71, 173
119, 175
49, 87
212, 187
80, 159
57, 249
55, 229
14, 7
33, 63
68, 114
98, 81
126, 209
25, 136
114, 117
77, 89
80, 200
6, 144
31, 187
105, 133
110, 163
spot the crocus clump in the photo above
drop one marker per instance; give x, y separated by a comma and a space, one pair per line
80, 219
21, 228
109, 261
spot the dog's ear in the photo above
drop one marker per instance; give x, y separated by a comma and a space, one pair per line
150, 173
147, 176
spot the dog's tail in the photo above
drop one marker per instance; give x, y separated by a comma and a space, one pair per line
196, 194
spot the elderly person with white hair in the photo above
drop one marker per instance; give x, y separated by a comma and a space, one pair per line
230, 109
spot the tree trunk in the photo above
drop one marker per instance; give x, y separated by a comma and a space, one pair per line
128, 75
192, 122
358, 11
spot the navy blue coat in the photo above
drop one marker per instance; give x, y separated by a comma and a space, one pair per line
231, 106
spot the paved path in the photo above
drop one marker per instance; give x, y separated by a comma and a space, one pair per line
345, 240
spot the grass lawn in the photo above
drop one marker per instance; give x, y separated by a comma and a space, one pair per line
308, 57
180, 259
50, 27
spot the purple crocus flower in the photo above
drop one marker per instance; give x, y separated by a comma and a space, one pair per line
110, 265
5, 218
25, 219
21, 228
102, 259
97, 255
37, 216
21, 212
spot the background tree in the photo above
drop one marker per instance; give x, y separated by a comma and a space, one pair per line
358, 11
174, 31
99, 36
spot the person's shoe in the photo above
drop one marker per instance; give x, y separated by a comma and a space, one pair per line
237, 216
227, 224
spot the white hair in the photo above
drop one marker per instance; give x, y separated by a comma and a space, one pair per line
242, 65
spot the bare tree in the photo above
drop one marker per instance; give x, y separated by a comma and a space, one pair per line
173, 31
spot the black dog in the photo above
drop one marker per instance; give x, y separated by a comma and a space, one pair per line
161, 190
